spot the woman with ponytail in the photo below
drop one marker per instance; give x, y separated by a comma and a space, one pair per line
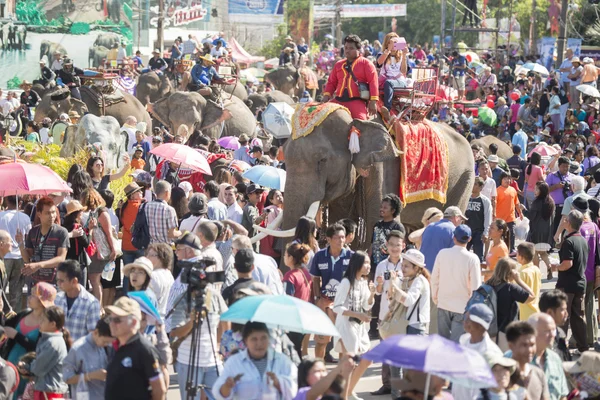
297, 282
51, 351
499, 248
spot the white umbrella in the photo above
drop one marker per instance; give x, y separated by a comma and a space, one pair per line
534, 67
589, 90
277, 120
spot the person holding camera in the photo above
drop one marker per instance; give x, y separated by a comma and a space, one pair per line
578, 186
560, 188
353, 300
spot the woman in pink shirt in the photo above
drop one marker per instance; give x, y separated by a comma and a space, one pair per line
533, 174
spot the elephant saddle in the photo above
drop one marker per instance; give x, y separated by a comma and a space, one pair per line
310, 78
424, 162
308, 115
103, 100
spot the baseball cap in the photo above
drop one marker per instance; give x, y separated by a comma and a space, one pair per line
588, 362
244, 258
157, 139
142, 176
493, 158
454, 211
414, 256
481, 314
189, 239
462, 233
124, 307
253, 188
139, 148
494, 358
186, 186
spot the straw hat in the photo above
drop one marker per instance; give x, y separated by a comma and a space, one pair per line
207, 57
74, 114
25, 84
142, 263
74, 206
575, 60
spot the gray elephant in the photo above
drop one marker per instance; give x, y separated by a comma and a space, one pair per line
114, 10
107, 39
504, 150
152, 87
20, 37
286, 79
238, 90
186, 111
92, 129
48, 48
130, 107
97, 55
321, 169
262, 100
5, 30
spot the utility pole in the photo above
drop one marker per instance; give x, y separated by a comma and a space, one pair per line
337, 21
443, 27
532, 28
562, 34
160, 26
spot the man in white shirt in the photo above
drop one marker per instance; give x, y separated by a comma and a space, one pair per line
489, 184
122, 53
565, 70
218, 51
130, 128
207, 233
234, 211
456, 274
265, 269
12, 220
57, 63
6, 104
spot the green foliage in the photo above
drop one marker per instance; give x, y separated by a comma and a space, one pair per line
80, 28
13, 83
31, 12
273, 47
586, 22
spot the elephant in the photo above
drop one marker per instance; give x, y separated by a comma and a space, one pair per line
504, 150
114, 10
151, 87
107, 39
192, 111
48, 48
97, 55
20, 37
130, 107
92, 129
286, 79
238, 90
262, 100
5, 33
321, 169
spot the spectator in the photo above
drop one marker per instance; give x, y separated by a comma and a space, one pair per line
510, 290
88, 357
79, 239
520, 139
82, 309
161, 218
327, 269
430, 216
50, 352
198, 208
251, 216
12, 220
314, 381
95, 167
506, 375
479, 218
161, 279
243, 153
559, 186
517, 162
456, 274
533, 174
477, 323
489, 187
578, 186
139, 273
541, 214
217, 211
554, 303
127, 216
247, 368
5, 245
234, 211
508, 206
244, 265
388, 211
546, 358
571, 277
521, 340
439, 235
530, 275
265, 268
496, 171
179, 202
133, 372
207, 232
499, 237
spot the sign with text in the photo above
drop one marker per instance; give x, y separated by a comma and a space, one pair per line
362, 11
178, 16
256, 7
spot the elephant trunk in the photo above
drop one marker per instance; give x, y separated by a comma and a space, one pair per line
270, 230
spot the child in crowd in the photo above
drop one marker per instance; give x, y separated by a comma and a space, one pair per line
531, 276
138, 161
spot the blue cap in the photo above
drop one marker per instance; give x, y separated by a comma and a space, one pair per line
481, 314
462, 233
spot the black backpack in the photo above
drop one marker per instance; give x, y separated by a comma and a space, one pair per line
140, 232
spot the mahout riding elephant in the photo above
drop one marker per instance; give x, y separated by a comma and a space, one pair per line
104, 130
186, 111
130, 107
504, 150
107, 39
321, 169
97, 54
151, 87
287, 79
48, 48
262, 100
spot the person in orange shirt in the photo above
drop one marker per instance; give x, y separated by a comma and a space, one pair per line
508, 207
138, 161
342, 86
498, 235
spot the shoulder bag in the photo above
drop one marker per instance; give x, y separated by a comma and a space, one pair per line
101, 239
363, 88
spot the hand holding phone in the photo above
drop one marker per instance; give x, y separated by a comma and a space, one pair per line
400, 44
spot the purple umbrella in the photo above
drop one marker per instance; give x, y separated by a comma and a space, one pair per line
435, 355
229, 142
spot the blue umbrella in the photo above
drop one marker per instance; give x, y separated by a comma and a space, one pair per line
435, 355
282, 312
146, 304
265, 175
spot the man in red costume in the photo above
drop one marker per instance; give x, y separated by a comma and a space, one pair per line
343, 81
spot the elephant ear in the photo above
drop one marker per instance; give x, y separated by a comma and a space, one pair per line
376, 144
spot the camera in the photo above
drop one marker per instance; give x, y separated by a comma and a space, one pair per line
194, 274
566, 189
387, 275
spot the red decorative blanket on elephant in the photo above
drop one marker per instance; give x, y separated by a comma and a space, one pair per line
424, 163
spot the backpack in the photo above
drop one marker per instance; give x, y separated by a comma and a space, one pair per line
487, 295
140, 232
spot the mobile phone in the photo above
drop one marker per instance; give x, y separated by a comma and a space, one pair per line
400, 44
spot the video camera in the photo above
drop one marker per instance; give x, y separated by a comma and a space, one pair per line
194, 274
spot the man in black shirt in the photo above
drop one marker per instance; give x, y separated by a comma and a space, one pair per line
479, 212
47, 76
133, 373
389, 210
243, 264
516, 162
157, 63
69, 75
571, 277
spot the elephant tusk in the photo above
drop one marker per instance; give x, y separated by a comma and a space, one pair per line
271, 227
311, 213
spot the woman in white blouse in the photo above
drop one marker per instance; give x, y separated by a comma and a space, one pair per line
353, 299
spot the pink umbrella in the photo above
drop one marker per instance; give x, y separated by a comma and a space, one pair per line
229, 142
183, 155
23, 178
544, 150
239, 165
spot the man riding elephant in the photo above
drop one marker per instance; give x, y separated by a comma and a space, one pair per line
47, 76
69, 77
354, 81
203, 73
156, 63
